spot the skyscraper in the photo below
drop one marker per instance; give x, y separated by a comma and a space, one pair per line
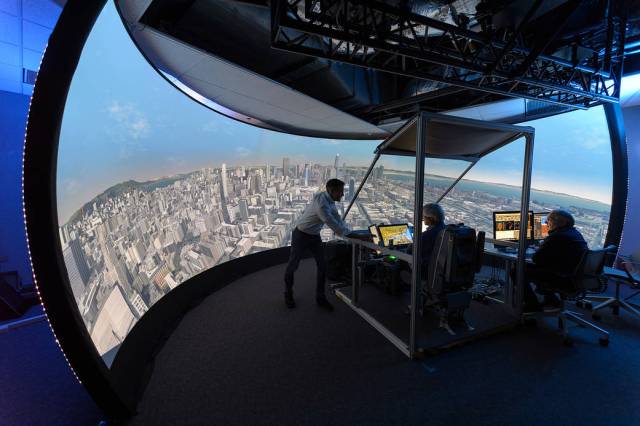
336, 166
352, 185
285, 166
306, 174
77, 268
267, 174
244, 209
225, 193
223, 178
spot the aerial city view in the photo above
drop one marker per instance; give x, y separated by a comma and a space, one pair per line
136, 241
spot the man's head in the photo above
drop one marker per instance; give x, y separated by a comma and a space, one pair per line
335, 188
557, 219
432, 214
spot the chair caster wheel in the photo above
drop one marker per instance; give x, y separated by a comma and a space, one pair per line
588, 306
596, 317
530, 322
616, 310
568, 341
580, 304
603, 341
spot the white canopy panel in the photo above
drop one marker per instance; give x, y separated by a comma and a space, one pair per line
452, 137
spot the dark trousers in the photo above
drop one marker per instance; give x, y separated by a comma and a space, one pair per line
539, 277
300, 242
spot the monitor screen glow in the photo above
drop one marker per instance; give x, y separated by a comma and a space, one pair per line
398, 233
540, 226
506, 226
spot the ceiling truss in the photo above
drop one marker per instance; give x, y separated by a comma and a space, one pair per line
505, 62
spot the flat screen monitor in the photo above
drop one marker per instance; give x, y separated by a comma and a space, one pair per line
540, 226
506, 226
373, 229
399, 233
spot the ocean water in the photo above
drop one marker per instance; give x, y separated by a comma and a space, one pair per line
537, 196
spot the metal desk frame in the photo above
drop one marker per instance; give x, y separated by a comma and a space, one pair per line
422, 120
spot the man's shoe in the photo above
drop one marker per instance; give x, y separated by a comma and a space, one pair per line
288, 300
324, 304
531, 309
552, 301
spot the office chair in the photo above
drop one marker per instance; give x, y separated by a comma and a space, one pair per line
456, 258
615, 302
588, 277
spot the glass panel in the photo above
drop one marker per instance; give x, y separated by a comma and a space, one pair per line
493, 184
388, 194
572, 169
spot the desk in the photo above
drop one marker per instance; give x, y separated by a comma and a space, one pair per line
509, 258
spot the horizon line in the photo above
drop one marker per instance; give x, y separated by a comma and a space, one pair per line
155, 179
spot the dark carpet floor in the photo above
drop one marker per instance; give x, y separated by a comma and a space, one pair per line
242, 358
37, 386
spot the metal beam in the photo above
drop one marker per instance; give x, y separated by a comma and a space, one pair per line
380, 36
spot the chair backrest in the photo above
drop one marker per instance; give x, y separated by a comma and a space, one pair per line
589, 276
453, 261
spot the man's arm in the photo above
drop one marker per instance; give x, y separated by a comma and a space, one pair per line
546, 253
329, 216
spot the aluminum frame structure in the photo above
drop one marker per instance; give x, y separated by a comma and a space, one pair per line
513, 296
377, 35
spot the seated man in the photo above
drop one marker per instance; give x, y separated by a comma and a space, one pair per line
559, 254
433, 217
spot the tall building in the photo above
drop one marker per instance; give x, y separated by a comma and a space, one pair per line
336, 166
64, 235
267, 174
244, 209
223, 178
352, 186
285, 166
123, 275
77, 268
224, 194
306, 174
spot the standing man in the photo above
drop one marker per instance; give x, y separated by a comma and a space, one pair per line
306, 236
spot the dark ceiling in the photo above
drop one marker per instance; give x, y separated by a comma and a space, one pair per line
381, 60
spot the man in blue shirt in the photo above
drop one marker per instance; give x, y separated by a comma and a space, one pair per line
559, 254
433, 217
306, 236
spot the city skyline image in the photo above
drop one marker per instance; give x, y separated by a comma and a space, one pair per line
132, 244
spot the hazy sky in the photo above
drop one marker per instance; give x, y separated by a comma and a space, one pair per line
123, 121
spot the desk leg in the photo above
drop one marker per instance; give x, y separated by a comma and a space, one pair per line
355, 275
508, 288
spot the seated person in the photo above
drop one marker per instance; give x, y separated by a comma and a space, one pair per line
433, 217
559, 254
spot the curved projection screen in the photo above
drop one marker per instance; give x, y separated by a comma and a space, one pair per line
153, 188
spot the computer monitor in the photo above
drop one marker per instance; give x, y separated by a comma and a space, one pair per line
373, 229
540, 226
506, 226
399, 233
